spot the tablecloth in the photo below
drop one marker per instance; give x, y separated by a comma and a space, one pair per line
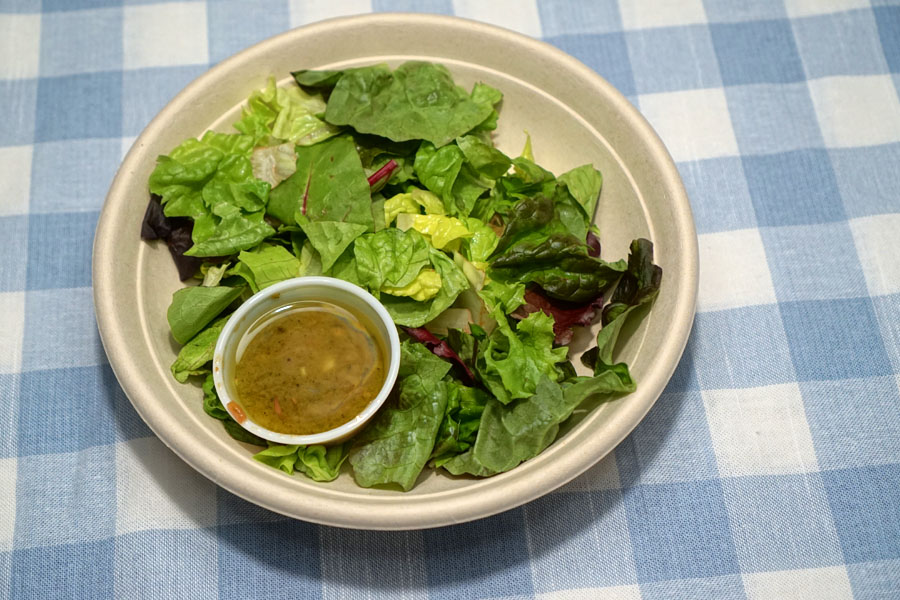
769, 467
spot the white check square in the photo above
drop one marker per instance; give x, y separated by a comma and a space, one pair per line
694, 124
733, 271
152, 38
760, 431
15, 179
20, 46
7, 503
828, 583
12, 329
156, 490
643, 14
808, 8
518, 15
857, 111
877, 241
304, 12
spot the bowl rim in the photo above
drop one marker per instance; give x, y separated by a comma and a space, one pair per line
329, 506
238, 324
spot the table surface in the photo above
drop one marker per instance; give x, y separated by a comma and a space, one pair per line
769, 468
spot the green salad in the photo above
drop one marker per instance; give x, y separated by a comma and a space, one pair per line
389, 179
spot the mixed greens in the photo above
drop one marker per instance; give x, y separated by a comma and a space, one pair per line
389, 179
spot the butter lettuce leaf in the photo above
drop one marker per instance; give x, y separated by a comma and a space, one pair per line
418, 100
411, 313
390, 258
268, 265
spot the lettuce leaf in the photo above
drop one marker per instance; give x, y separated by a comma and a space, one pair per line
194, 356
410, 313
511, 363
418, 100
267, 265
390, 258
460, 424
439, 230
318, 462
395, 446
584, 184
194, 307
284, 114
425, 286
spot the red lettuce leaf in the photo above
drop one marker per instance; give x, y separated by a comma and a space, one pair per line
566, 315
176, 231
441, 348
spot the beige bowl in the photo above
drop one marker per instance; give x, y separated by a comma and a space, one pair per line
573, 116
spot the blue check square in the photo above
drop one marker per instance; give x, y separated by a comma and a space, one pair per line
59, 250
573, 525
472, 560
606, 53
845, 43
441, 7
561, 17
14, 233
680, 531
888, 19
793, 188
146, 91
725, 586
79, 570
55, 5
834, 339
60, 183
18, 97
756, 52
874, 580
77, 487
866, 512
886, 310
673, 434
738, 10
79, 106
52, 409
60, 330
773, 118
739, 348
801, 271
707, 182
781, 522
225, 39
673, 58
177, 557
69, 41
246, 553
845, 436
866, 179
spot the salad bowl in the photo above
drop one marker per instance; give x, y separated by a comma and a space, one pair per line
572, 116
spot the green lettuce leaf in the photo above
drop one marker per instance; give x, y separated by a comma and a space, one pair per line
194, 356
268, 265
511, 434
460, 424
390, 257
411, 313
561, 265
437, 169
484, 159
286, 114
418, 100
330, 238
329, 185
512, 362
193, 308
584, 184
439, 230
318, 462
395, 446
211, 403
416, 359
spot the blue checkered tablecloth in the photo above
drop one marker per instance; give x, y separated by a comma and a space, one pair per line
769, 468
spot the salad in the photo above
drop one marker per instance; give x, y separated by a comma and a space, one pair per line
389, 179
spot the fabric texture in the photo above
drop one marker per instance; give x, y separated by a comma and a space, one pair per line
769, 467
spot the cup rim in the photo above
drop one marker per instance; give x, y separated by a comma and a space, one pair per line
237, 325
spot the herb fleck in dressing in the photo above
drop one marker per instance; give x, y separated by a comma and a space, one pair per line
309, 367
